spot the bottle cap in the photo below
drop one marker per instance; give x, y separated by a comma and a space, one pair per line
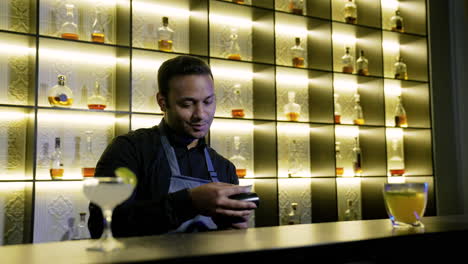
165, 20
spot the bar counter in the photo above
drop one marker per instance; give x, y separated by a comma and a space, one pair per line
366, 241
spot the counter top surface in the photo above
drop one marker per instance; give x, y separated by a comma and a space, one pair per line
171, 247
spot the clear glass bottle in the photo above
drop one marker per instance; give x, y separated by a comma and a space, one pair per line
362, 65
358, 113
293, 215
81, 230
296, 6
60, 95
350, 12
233, 48
238, 160
69, 29
291, 109
401, 119
294, 165
338, 159
298, 54
400, 69
165, 36
396, 163
97, 34
348, 62
97, 101
397, 22
56, 162
89, 159
237, 110
357, 157
350, 212
337, 115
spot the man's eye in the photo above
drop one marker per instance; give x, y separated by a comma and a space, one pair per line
208, 102
186, 104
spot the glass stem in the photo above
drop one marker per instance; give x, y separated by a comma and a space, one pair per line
107, 233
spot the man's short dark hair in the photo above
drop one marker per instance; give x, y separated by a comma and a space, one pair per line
180, 66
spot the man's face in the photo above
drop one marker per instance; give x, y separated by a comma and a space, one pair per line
191, 104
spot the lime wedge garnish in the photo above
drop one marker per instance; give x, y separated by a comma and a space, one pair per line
126, 175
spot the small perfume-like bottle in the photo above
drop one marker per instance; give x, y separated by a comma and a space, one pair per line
292, 110
293, 215
338, 159
358, 113
233, 49
350, 213
396, 163
350, 12
239, 161
81, 230
400, 69
165, 36
237, 110
296, 6
337, 115
69, 29
347, 61
97, 35
401, 119
56, 162
397, 22
97, 101
362, 65
294, 164
60, 95
357, 157
298, 54
89, 161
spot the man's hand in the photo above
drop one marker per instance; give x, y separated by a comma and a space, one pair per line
213, 199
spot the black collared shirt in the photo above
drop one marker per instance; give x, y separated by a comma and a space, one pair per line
151, 210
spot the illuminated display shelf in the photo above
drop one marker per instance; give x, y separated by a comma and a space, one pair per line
286, 161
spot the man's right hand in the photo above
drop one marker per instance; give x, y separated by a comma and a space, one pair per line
213, 198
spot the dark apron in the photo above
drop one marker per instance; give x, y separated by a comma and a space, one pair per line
180, 182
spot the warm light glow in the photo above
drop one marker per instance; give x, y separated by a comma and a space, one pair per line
232, 126
390, 4
347, 131
147, 63
291, 30
75, 117
145, 121
231, 21
229, 73
10, 187
162, 10
395, 133
299, 79
391, 46
348, 85
60, 187
108, 3
9, 116
346, 40
294, 130
12, 49
396, 179
392, 89
84, 57
248, 182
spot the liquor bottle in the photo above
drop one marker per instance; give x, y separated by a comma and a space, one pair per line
401, 119
296, 6
357, 157
56, 162
348, 62
293, 215
239, 1
165, 36
89, 161
60, 95
400, 69
337, 108
239, 160
338, 159
233, 45
81, 230
69, 29
362, 65
350, 213
97, 101
237, 110
396, 163
291, 109
358, 113
350, 12
397, 22
294, 165
97, 34
297, 53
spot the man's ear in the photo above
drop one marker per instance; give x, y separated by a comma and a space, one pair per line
161, 101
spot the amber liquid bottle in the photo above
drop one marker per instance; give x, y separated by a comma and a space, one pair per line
69, 29
166, 36
296, 6
89, 162
350, 12
357, 157
337, 115
298, 52
401, 120
98, 28
233, 46
56, 162
237, 110
338, 159
348, 62
358, 113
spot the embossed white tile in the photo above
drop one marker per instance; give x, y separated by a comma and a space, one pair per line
293, 150
13, 125
13, 206
295, 191
349, 189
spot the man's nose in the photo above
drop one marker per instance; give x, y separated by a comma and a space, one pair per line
199, 111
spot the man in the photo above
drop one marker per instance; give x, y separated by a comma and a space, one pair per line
183, 185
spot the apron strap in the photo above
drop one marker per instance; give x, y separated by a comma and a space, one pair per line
209, 165
170, 155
